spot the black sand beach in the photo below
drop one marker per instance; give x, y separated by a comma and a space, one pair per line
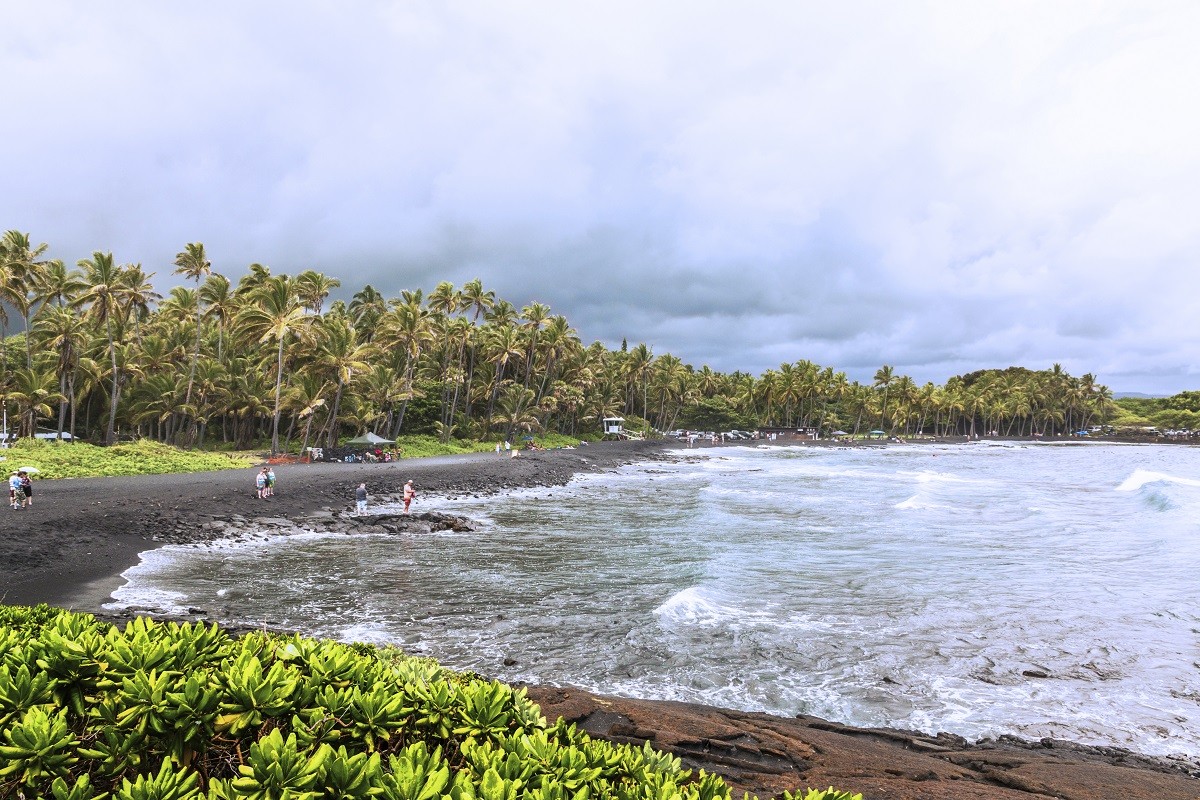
70, 548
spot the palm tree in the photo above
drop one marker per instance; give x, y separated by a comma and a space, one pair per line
504, 345
211, 393
535, 316
137, 294
313, 287
59, 286
254, 280
338, 353
193, 264
275, 316
478, 301
62, 331
22, 273
366, 307
405, 330
558, 340
220, 304
33, 391
641, 359
671, 383
517, 411
305, 397
884, 378
103, 298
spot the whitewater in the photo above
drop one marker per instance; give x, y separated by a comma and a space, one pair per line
978, 589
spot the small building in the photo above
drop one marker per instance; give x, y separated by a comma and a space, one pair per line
614, 426
773, 433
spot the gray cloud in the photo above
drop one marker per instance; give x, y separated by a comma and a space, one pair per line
940, 187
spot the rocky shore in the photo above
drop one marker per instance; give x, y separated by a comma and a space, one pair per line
71, 547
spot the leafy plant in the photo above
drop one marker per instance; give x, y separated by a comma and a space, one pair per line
38, 748
156, 711
821, 794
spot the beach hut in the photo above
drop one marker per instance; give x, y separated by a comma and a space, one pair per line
369, 439
614, 426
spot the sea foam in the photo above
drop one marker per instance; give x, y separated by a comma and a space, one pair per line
1141, 477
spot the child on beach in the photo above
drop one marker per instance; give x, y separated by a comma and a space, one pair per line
409, 494
26, 489
14, 490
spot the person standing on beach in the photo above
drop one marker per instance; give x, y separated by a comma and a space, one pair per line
260, 484
498, 446
360, 498
270, 481
409, 494
14, 490
26, 489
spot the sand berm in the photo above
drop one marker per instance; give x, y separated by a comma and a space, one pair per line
70, 548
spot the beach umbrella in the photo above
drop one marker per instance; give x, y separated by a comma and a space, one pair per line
878, 433
28, 469
839, 433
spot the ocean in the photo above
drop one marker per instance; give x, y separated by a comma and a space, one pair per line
1038, 590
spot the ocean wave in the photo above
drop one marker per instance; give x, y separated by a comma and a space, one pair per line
919, 503
1140, 477
1162, 491
701, 605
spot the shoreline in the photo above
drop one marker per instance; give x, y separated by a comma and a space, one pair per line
71, 548
81, 534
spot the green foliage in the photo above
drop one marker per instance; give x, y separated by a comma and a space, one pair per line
1177, 412
37, 748
1176, 419
421, 446
713, 414
167, 711
821, 794
553, 440
424, 408
144, 457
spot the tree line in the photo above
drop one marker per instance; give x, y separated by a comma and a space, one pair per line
93, 350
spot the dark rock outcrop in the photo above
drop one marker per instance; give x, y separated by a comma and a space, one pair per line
766, 755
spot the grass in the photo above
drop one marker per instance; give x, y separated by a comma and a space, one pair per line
145, 457
423, 445
79, 460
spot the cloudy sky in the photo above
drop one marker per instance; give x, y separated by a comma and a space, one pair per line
941, 187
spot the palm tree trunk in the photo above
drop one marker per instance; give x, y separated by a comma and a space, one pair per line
110, 433
278, 386
331, 437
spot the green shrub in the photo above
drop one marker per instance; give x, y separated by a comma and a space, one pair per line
144, 457
168, 711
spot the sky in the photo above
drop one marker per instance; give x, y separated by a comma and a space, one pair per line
941, 187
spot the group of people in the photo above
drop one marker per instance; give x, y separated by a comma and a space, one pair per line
264, 486
360, 497
20, 489
507, 448
264, 483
